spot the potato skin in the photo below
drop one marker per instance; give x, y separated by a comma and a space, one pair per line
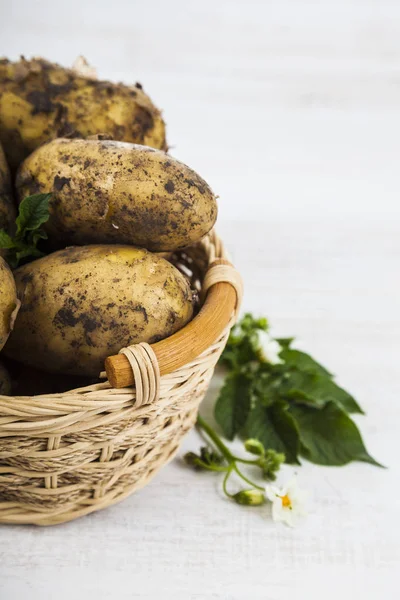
40, 100
115, 192
7, 208
5, 381
8, 301
82, 304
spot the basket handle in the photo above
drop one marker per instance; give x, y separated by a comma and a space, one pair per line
224, 290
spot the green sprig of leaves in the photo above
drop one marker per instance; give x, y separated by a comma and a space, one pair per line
33, 213
294, 407
217, 457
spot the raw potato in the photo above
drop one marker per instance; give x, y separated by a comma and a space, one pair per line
115, 192
5, 381
40, 100
8, 302
80, 305
7, 209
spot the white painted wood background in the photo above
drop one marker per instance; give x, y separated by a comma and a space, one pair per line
291, 110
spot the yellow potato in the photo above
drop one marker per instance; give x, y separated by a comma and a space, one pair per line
40, 101
8, 302
7, 209
82, 304
115, 192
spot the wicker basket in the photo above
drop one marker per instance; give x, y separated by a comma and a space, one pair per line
63, 456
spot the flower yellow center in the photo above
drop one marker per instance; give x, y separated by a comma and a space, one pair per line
286, 502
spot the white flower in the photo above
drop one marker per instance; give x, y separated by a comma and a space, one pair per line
269, 348
287, 502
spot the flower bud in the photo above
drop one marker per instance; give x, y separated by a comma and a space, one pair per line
254, 447
270, 463
210, 457
249, 497
193, 460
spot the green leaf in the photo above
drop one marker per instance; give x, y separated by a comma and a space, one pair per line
242, 344
275, 428
29, 251
285, 342
302, 361
33, 212
300, 384
36, 236
6, 241
265, 387
233, 404
238, 353
317, 390
249, 324
329, 436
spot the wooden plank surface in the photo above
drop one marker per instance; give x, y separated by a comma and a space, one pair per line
291, 110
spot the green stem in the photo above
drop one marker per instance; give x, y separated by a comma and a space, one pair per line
246, 479
201, 423
214, 467
214, 437
247, 462
224, 484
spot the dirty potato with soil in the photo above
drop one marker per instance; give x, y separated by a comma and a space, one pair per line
82, 304
40, 100
115, 192
8, 302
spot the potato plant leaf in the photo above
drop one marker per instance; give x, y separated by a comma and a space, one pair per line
6, 241
293, 406
302, 361
317, 390
233, 405
33, 213
329, 436
275, 428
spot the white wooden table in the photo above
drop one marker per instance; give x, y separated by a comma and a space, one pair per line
291, 110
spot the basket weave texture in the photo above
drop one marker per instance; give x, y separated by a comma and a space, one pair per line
65, 455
